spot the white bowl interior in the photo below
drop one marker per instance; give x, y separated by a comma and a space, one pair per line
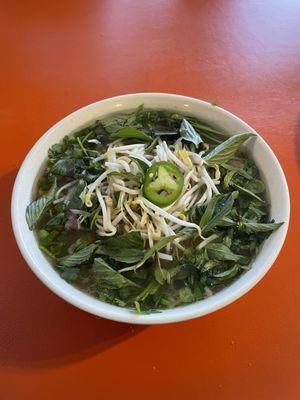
277, 193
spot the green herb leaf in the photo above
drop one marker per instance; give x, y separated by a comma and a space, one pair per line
221, 252
228, 178
162, 275
210, 264
186, 294
81, 243
188, 133
114, 124
51, 192
131, 239
129, 132
226, 222
203, 127
255, 227
228, 274
247, 192
58, 219
67, 273
78, 257
64, 167
256, 186
149, 290
35, 210
219, 206
76, 197
226, 150
157, 246
108, 276
127, 248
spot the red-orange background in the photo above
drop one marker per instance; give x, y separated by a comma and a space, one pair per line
60, 55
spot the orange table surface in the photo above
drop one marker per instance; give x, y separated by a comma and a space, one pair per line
58, 56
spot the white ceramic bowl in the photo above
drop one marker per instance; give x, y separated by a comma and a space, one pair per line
277, 193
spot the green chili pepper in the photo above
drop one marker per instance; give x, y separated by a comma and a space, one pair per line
163, 183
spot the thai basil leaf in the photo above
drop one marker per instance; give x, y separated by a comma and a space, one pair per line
162, 275
239, 171
255, 227
210, 264
219, 206
226, 150
257, 212
36, 208
44, 237
108, 276
247, 192
68, 273
81, 243
221, 252
76, 198
225, 221
256, 186
127, 248
206, 128
51, 192
186, 294
157, 246
228, 178
78, 257
149, 290
228, 274
131, 239
64, 167
112, 125
58, 219
130, 132
188, 133
128, 256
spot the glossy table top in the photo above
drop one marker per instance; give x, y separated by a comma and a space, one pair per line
58, 56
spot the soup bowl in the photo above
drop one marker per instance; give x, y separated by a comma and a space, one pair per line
271, 172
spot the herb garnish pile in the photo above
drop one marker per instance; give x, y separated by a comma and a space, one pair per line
150, 210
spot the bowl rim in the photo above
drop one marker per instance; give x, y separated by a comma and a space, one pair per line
117, 313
